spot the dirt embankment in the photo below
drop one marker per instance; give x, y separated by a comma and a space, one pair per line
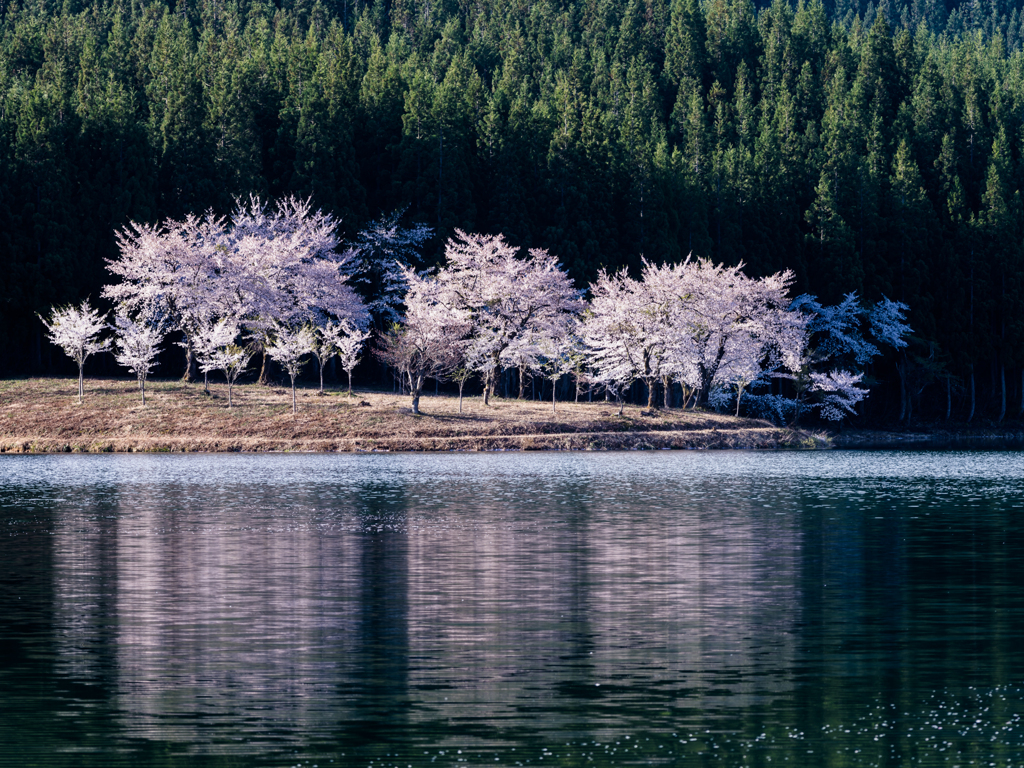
43, 415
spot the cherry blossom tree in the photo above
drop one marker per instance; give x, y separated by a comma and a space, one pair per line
386, 250
431, 340
840, 393
731, 316
230, 358
612, 335
744, 368
350, 349
137, 344
175, 269
287, 269
888, 322
342, 339
325, 346
836, 332
636, 329
555, 360
263, 265
838, 345
506, 298
209, 343
76, 331
289, 348
520, 355
707, 326
460, 374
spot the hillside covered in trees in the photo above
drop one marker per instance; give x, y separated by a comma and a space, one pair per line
868, 149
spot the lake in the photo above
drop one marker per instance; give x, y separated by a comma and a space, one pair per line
669, 608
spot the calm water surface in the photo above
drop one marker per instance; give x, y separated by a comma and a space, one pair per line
755, 609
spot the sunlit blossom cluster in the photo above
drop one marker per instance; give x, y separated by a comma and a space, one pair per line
707, 332
277, 280
271, 279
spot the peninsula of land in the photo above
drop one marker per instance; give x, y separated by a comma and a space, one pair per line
43, 415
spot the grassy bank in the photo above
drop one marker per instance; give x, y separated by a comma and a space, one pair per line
43, 415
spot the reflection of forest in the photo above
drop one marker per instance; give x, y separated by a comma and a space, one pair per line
361, 611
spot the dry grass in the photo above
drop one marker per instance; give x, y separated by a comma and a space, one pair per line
43, 415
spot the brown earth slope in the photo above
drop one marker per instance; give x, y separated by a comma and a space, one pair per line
43, 415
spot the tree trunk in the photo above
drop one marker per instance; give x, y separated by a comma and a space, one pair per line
1002, 387
348, 372
554, 392
37, 347
489, 384
739, 396
321, 378
651, 387
970, 413
667, 390
190, 362
81, 382
293, 394
903, 392
229, 393
142, 388
461, 385
414, 390
263, 368
522, 380
694, 399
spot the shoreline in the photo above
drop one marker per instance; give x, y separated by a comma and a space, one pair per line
743, 439
43, 416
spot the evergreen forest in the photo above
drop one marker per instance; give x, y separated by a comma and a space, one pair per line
876, 149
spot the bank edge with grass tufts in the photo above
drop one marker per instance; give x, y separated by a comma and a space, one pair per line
43, 416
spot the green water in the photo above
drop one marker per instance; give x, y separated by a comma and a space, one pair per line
733, 609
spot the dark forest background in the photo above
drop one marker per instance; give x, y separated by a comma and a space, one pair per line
875, 149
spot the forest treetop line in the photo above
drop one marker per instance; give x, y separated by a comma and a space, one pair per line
869, 156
